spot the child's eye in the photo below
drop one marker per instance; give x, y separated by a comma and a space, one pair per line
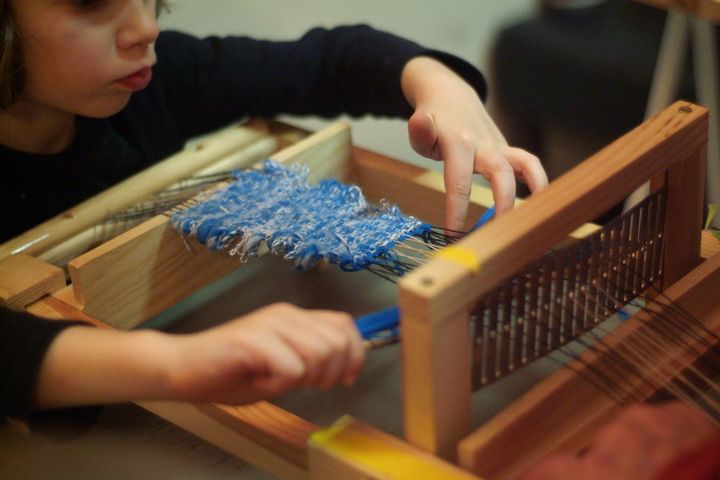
86, 4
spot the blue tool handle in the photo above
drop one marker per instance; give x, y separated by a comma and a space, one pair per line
372, 323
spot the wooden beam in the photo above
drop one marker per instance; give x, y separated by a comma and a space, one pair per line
24, 279
142, 272
437, 377
684, 206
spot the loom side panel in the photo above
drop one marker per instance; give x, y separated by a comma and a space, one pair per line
562, 413
142, 272
436, 373
685, 185
24, 279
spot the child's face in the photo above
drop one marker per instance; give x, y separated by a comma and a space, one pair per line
85, 56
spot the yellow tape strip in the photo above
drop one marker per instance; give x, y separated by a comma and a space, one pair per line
383, 458
462, 256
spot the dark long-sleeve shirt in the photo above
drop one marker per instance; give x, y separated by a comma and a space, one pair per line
198, 86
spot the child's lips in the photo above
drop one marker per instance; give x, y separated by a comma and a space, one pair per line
138, 80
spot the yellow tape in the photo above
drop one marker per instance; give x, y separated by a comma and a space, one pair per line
384, 458
462, 256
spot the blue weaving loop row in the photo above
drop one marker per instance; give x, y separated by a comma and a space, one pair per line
305, 223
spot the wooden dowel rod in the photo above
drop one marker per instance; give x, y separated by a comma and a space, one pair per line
130, 191
64, 252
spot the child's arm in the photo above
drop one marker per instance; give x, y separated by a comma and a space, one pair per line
261, 355
451, 124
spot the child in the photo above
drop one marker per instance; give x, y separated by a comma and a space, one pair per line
91, 92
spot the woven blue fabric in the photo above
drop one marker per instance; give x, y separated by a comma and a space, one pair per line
306, 223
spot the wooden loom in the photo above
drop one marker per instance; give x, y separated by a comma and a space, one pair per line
138, 274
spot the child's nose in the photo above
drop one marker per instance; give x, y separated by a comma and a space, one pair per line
139, 26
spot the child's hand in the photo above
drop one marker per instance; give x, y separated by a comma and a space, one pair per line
450, 124
267, 353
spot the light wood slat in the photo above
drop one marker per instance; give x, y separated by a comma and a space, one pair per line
327, 153
683, 215
24, 279
142, 272
438, 354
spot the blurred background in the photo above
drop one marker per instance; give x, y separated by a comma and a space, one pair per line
566, 76
463, 27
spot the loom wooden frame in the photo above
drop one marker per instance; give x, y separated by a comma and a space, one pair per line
434, 300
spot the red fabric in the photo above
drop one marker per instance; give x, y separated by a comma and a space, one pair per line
702, 463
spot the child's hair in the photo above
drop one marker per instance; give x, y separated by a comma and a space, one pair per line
11, 64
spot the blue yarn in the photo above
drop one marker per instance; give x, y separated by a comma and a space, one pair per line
484, 218
275, 205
